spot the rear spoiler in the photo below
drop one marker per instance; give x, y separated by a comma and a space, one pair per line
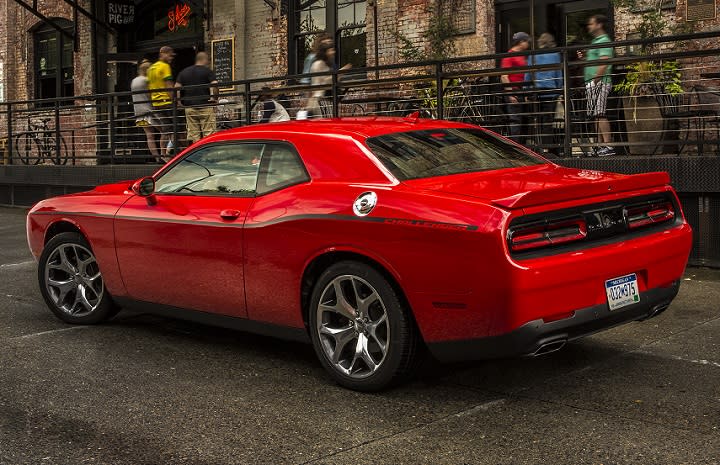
589, 189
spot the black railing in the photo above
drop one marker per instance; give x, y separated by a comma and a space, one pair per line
676, 112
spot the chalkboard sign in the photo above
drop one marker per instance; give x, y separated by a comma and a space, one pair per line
223, 60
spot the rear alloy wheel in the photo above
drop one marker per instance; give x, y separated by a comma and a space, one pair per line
71, 282
360, 330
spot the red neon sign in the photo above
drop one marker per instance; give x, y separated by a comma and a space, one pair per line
178, 16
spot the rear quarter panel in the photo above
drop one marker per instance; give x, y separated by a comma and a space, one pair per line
436, 248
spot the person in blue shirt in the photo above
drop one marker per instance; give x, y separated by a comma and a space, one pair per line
549, 84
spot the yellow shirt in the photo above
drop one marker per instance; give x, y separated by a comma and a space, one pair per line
157, 75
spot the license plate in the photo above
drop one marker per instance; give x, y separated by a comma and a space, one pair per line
622, 291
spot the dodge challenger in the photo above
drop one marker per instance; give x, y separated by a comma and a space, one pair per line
375, 239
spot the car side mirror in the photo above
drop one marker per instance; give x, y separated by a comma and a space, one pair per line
145, 187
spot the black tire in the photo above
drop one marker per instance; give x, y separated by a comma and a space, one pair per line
65, 266
402, 341
58, 158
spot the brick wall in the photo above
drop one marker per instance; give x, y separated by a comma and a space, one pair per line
265, 41
16, 40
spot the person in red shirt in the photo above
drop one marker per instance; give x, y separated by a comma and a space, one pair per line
512, 82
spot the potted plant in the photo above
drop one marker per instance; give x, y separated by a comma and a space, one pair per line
651, 88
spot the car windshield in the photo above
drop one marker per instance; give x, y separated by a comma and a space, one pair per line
446, 151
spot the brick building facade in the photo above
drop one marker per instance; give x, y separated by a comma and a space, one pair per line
271, 37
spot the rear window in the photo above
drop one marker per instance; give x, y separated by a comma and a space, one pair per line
442, 152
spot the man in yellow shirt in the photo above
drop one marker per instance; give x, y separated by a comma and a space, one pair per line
160, 85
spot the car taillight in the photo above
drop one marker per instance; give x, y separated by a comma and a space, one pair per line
533, 237
650, 214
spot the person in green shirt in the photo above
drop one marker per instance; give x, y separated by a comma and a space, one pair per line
598, 82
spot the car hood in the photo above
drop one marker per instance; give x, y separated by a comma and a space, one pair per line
536, 185
117, 188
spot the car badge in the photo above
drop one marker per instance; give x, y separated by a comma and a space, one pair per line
365, 203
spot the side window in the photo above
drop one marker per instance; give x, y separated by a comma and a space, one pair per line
226, 169
281, 167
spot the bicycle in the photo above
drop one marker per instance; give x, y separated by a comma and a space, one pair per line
461, 104
39, 143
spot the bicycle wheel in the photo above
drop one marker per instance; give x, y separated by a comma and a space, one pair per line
27, 149
470, 115
51, 152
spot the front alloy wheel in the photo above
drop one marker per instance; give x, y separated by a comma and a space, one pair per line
361, 332
71, 282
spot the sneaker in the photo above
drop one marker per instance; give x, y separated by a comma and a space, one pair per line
605, 152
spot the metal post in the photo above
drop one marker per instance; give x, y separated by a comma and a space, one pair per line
9, 145
248, 108
375, 32
174, 123
335, 99
440, 90
111, 116
57, 131
567, 149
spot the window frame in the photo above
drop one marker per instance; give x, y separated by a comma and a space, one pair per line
261, 187
332, 26
264, 161
47, 32
203, 147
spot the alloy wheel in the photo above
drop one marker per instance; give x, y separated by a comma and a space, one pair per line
353, 326
73, 280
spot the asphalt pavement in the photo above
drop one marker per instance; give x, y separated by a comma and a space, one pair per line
149, 390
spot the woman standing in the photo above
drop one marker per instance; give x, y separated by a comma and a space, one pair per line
142, 108
324, 63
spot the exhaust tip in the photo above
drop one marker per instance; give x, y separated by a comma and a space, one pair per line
550, 347
655, 311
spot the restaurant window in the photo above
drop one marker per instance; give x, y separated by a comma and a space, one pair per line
54, 61
345, 20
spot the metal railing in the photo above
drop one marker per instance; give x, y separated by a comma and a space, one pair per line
675, 109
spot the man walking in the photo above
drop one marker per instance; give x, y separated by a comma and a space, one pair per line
513, 82
160, 85
199, 116
598, 83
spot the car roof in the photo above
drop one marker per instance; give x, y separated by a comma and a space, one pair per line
357, 127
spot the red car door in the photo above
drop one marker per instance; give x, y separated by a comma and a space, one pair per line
185, 249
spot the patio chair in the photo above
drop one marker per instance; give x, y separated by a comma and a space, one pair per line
708, 99
676, 110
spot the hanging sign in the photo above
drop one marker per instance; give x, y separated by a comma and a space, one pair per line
120, 13
178, 17
698, 10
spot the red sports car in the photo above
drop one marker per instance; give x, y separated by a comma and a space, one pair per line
373, 238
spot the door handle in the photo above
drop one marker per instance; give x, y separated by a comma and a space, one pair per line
229, 214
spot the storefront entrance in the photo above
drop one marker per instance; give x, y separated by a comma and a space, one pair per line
564, 19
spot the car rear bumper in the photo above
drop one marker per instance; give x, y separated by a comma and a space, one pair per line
537, 337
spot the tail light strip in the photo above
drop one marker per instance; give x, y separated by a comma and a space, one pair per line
638, 217
553, 232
